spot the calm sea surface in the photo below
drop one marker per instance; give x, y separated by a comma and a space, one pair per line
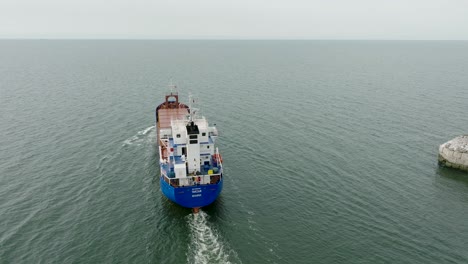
330, 151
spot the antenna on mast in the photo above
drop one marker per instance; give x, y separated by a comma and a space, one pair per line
193, 110
190, 107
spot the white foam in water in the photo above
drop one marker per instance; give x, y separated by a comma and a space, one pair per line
205, 244
139, 137
145, 131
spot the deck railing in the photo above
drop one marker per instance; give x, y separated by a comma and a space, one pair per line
193, 180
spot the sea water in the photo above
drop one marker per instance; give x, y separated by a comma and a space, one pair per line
329, 149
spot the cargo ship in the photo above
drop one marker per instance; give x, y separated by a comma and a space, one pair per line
191, 165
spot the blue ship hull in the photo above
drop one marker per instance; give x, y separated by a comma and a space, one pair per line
192, 196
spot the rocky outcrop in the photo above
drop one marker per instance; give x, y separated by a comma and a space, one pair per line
454, 153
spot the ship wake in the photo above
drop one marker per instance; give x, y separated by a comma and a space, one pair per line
205, 245
139, 137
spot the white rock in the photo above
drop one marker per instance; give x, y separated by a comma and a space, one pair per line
455, 152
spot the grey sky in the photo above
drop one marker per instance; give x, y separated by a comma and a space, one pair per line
250, 19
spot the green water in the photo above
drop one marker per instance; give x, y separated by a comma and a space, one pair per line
329, 148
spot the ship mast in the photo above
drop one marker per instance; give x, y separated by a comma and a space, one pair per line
193, 110
173, 88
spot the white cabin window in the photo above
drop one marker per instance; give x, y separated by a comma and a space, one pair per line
178, 135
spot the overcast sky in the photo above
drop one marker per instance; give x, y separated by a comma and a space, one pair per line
245, 19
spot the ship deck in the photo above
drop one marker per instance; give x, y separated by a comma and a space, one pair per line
166, 115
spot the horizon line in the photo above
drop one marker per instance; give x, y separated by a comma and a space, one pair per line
242, 39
